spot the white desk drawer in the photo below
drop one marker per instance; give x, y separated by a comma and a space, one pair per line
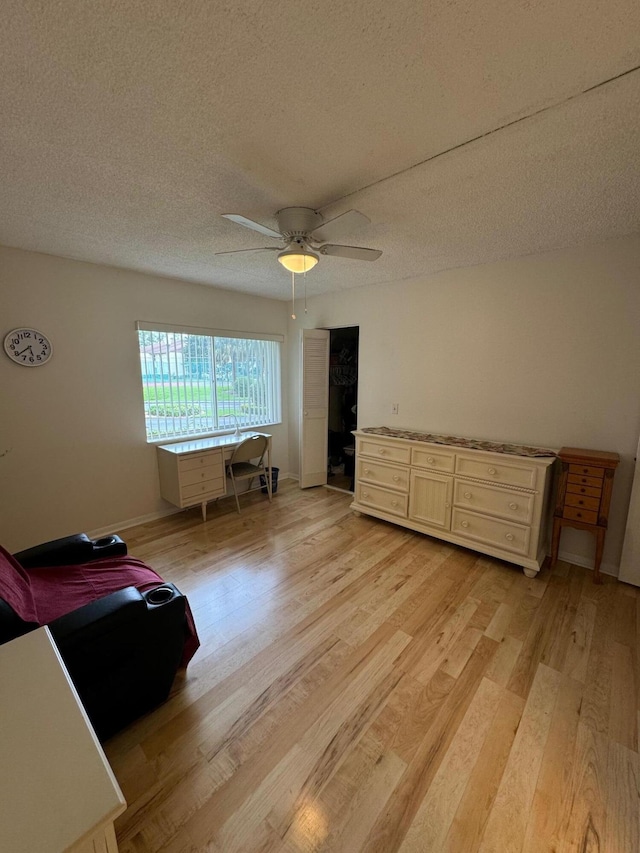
198, 475
207, 488
199, 460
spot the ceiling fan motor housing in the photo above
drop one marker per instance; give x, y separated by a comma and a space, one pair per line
297, 221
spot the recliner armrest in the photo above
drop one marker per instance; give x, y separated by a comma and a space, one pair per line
71, 550
106, 614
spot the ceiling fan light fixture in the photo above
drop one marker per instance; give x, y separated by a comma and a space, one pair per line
298, 260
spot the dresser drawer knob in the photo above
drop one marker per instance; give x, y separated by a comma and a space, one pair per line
583, 480
365, 494
467, 495
430, 459
381, 450
492, 471
366, 471
464, 524
394, 503
509, 536
395, 478
582, 491
581, 503
513, 505
579, 514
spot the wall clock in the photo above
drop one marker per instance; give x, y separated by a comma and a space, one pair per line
28, 347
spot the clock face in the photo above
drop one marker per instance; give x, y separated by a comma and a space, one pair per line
28, 347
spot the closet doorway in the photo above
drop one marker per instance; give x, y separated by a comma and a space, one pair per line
343, 407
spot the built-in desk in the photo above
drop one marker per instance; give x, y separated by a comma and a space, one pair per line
193, 472
57, 790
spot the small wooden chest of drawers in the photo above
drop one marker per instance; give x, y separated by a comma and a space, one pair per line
584, 496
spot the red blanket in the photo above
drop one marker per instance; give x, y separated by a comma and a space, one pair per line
58, 590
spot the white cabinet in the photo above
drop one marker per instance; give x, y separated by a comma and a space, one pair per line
491, 500
430, 498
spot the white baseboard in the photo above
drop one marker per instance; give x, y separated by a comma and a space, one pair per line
578, 560
154, 516
132, 522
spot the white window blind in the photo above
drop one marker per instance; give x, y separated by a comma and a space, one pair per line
198, 381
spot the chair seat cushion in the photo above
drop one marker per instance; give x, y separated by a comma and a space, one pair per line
57, 590
243, 468
15, 588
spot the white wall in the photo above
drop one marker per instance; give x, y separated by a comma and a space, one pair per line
541, 350
72, 432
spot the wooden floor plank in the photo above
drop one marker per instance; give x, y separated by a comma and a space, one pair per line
362, 688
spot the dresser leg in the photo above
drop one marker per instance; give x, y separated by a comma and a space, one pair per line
203, 507
529, 573
599, 549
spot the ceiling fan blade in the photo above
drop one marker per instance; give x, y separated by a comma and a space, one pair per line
255, 226
357, 253
257, 249
343, 224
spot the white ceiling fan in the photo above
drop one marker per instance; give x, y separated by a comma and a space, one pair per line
304, 234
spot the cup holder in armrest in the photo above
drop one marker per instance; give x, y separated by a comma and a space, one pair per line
103, 541
108, 546
160, 595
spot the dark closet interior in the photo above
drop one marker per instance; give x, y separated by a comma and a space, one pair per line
343, 406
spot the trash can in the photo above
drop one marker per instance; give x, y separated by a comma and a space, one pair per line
274, 481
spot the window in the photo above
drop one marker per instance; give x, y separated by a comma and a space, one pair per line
197, 381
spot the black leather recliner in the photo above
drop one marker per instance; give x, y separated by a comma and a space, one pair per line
122, 650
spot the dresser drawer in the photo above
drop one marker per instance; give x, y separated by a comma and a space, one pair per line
587, 471
582, 502
197, 475
384, 450
391, 502
391, 476
434, 460
491, 531
492, 500
498, 471
199, 460
589, 491
578, 480
583, 515
206, 489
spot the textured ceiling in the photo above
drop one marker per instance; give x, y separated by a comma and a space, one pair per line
467, 132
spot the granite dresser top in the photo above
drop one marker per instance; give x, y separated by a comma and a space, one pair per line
456, 441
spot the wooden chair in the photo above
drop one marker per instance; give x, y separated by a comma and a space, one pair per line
239, 466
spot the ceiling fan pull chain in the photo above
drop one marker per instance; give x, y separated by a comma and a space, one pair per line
293, 296
304, 276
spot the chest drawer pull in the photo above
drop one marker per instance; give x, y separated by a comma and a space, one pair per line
365, 494
464, 524
509, 536
430, 459
394, 503
467, 495
492, 471
513, 505
381, 451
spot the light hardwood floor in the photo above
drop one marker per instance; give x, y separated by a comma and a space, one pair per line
361, 687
